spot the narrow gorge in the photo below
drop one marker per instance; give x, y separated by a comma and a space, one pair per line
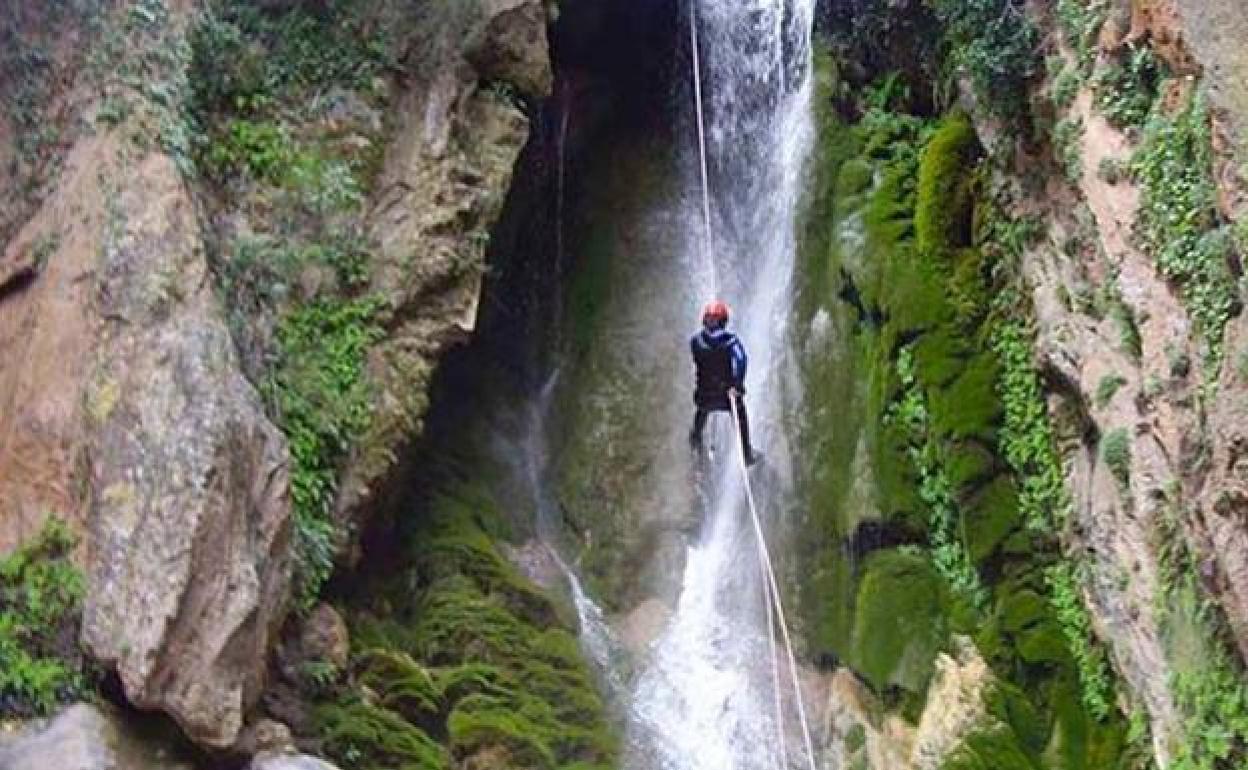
345, 386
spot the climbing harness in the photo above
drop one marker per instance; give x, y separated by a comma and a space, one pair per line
775, 607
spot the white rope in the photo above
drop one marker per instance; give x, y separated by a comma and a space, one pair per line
775, 608
708, 242
775, 670
773, 585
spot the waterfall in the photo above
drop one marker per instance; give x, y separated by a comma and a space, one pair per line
704, 697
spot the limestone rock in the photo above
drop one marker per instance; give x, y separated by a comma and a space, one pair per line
265, 736
510, 45
85, 737
189, 560
452, 159
955, 705
853, 732
289, 762
324, 637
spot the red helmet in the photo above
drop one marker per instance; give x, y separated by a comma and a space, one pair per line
715, 314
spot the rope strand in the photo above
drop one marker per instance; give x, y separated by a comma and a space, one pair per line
773, 586
708, 242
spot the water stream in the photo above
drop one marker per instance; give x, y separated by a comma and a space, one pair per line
702, 697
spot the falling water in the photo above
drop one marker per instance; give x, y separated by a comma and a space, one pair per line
704, 697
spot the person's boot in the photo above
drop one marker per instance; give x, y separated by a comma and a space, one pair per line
752, 457
695, 442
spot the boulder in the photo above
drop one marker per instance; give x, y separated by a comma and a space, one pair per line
189, 516
509, 45
289, 762
87, 737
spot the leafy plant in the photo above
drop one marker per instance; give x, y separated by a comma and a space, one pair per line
1179, 224
322, 400
1207, 679
1068, 147
1076, 624
949, 553
995, 43
1125, 90
1080, 23
1065, 87
40, 596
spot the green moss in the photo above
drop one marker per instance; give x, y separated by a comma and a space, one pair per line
1107, 388
371, 738
1116, 454
990, 517
899, 624
942, 217
471, 654
855, 177
40, 596
967, 408
993, 748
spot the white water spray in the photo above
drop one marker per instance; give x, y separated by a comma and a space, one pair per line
703, 701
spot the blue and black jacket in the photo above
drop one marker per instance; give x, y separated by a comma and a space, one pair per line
720, 360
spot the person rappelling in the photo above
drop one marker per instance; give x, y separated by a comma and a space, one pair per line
719, 361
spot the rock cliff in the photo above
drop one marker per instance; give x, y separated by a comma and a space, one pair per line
152, 388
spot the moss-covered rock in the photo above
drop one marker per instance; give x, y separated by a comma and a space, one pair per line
462, 660
898, 623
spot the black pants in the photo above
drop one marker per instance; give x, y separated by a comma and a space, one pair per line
704, 410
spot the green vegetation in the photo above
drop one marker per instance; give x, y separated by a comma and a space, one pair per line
40, 596
1107, 388
1126, 90
1208, 679
1066, 85
468, 661
942, 215
949, 552
995, 43
262, 82
933, 461
1179, 222
1080, 22
1076, 624
1116, 454
1028, 444
934, 467
1026, 434
899, 626
1068, 148
322, 401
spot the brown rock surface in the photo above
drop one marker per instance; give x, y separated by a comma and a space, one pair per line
125, 411
442, 188
189, 561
